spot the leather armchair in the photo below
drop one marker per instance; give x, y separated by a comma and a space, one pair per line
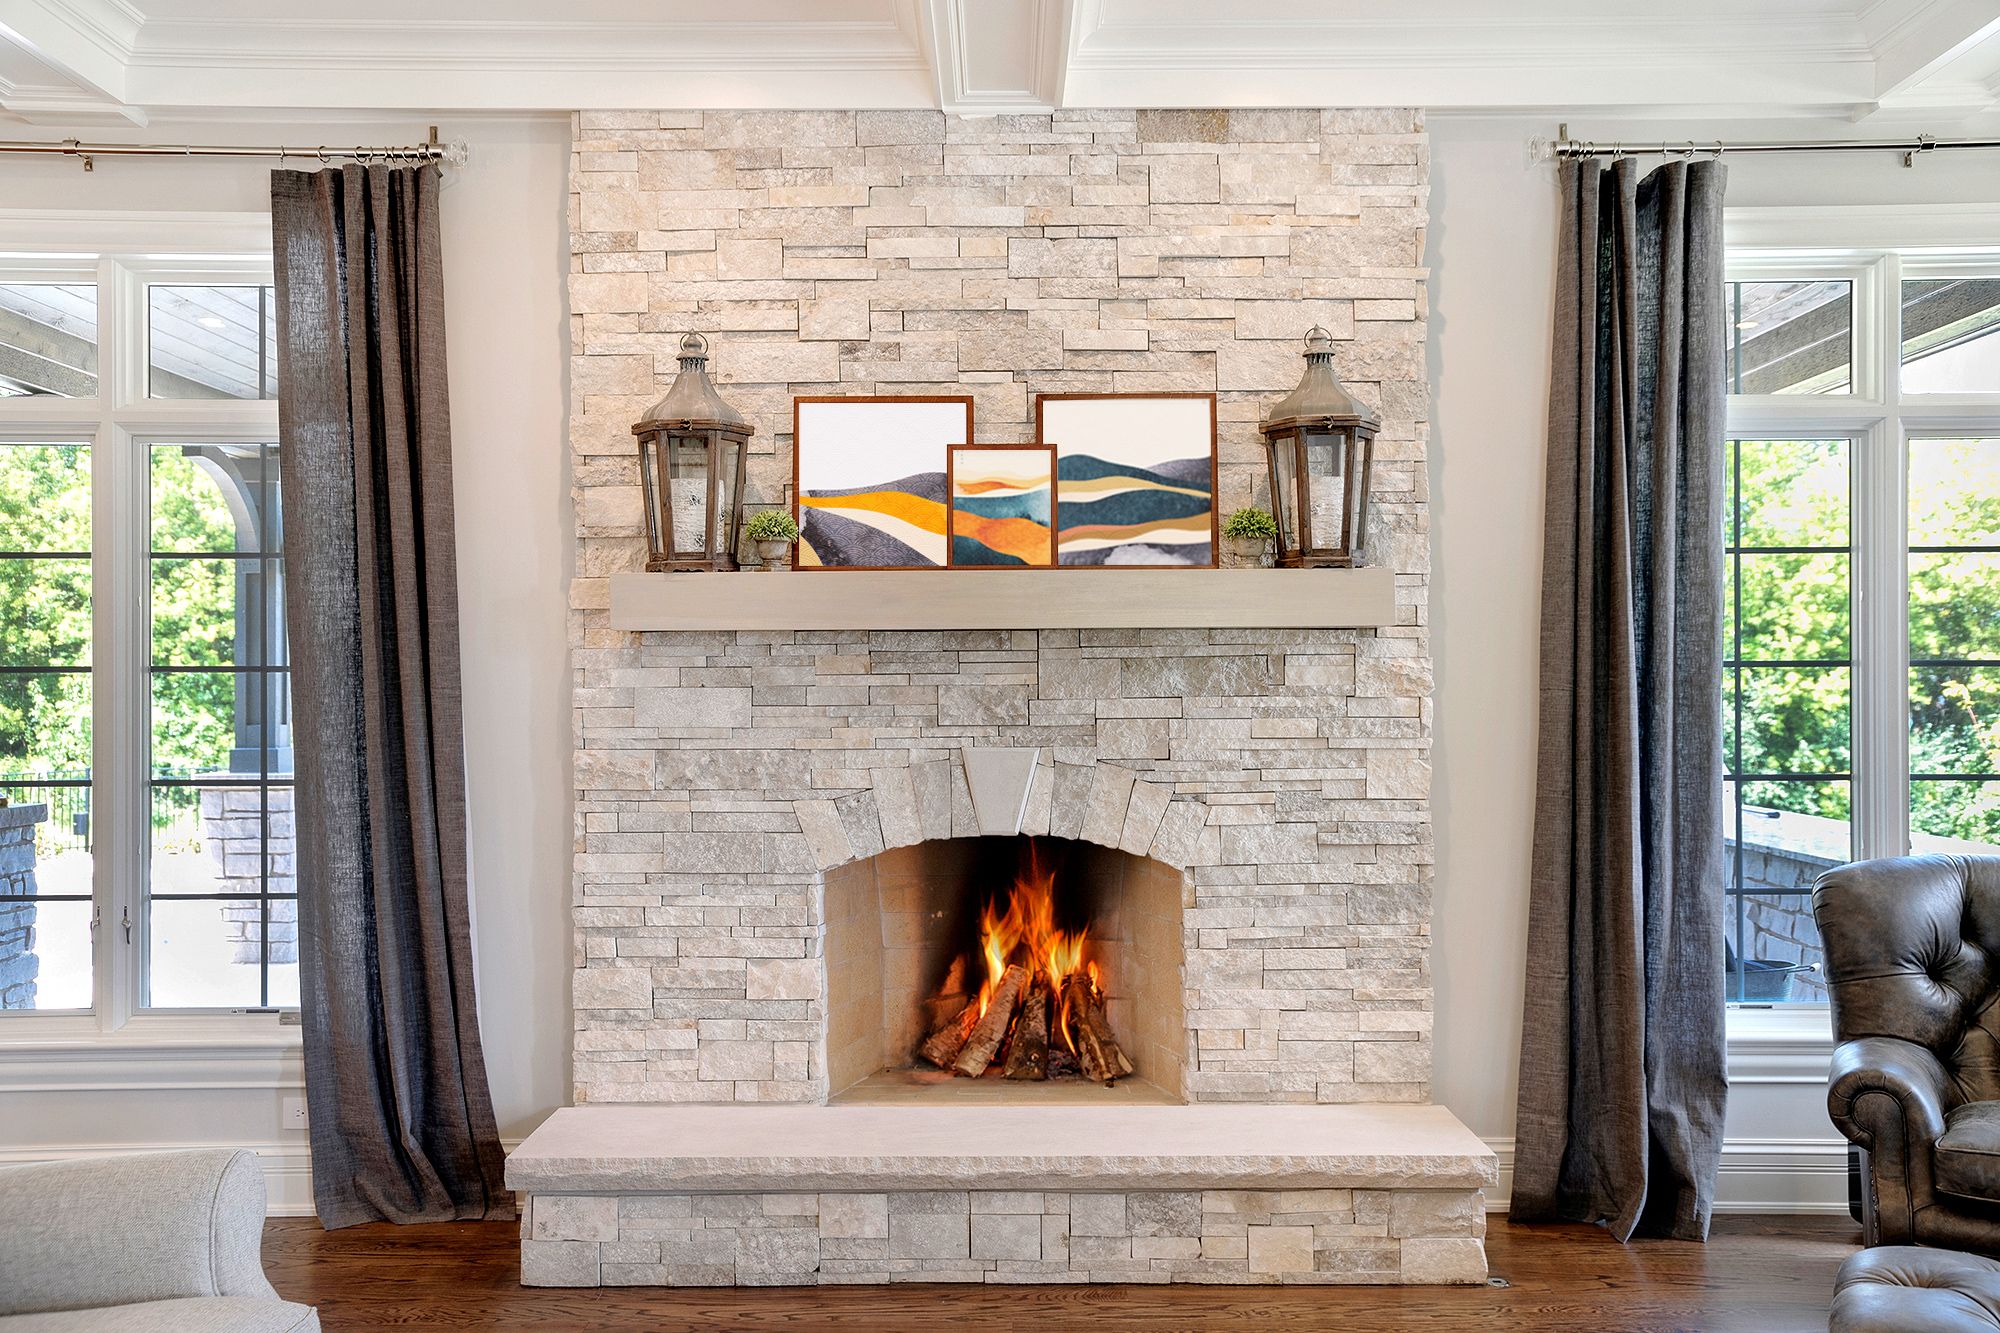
1913, 969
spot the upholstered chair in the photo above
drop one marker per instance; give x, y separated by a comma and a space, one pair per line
1913, 967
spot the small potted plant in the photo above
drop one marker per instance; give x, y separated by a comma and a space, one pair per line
1247, 537
772, 532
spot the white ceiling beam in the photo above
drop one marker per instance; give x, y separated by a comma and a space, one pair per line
88, 41
1914, 39
814, 54
1682, 60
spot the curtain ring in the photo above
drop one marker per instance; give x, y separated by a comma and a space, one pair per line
322, 154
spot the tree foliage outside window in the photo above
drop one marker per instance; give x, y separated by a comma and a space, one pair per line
45, 607
1790, 568
45, 614
1954, 503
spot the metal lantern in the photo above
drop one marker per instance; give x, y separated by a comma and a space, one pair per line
1321, 443
691, 449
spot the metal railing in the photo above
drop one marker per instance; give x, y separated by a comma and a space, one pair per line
67, 794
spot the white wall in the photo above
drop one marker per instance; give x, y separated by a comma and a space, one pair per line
1492, 255
506, 258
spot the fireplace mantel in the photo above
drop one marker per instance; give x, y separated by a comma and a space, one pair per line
1128, 598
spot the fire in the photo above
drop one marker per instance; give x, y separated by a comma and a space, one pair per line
1026, 933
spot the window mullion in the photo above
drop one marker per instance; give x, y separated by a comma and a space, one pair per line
1881, 604
1881, 634
119, 655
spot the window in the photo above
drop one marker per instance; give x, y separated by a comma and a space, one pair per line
145, 743
1861, 689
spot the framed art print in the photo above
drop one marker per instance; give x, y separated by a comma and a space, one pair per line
1002, 502
1135, 476
868, 479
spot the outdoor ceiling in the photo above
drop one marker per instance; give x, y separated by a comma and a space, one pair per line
71, 62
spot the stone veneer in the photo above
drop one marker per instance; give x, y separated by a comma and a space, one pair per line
240, 827
1216, 1236
719, 775
19, 967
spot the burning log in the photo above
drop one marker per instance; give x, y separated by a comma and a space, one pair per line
942, 1046
1028, 1052
989, 1031
948, 1001
1097, 1049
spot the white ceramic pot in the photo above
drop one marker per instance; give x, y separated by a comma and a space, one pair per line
774, 554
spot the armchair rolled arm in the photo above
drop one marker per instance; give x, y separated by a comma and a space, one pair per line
1885, 1088
84, 1233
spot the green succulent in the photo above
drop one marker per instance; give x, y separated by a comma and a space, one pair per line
771, 525
1251, 523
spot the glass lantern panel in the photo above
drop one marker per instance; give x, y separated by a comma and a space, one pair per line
1285, 501
730, 452
1326, 474
687, 492
1364, 476
649, 487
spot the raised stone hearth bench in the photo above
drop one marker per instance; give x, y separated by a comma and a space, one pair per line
742, 1195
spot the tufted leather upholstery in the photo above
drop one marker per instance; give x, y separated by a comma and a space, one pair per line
1913, 967
1902, 1289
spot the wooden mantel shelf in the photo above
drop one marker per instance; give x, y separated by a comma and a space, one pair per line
1126, 598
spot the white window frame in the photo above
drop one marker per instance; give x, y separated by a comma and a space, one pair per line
123, 253
1875, 248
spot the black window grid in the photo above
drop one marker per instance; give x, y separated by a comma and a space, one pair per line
1735, 664
69, 792
265, 665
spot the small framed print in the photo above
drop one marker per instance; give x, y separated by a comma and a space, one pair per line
868, 479
1002, 506
1135, 477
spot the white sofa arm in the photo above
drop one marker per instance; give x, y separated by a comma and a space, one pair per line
91, 1232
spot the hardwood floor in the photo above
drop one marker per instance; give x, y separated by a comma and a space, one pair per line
1757, 1274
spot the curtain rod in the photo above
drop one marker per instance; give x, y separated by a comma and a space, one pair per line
431, 150
1562, 146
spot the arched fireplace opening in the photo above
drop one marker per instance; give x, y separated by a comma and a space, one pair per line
1005, 969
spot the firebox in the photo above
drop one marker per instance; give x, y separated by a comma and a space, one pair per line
1005, 969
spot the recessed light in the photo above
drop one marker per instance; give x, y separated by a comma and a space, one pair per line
1746, 323
212, 322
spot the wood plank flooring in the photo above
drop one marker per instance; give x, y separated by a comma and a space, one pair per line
1756, 1275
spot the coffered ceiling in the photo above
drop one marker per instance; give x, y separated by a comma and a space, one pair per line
75, 61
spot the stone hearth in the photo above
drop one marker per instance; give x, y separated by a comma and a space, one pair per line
713, 1196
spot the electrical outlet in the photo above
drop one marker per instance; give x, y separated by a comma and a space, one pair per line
293, 1114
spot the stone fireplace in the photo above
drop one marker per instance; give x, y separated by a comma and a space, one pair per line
784, 836
752, 782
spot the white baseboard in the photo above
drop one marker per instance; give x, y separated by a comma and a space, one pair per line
287, 1166
1756, 1176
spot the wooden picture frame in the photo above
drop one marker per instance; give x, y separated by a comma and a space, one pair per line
992, 531
869, 478
1150, 459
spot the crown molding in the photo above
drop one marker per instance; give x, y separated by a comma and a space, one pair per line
89, 41
1926, 36
65, 105
1855, 58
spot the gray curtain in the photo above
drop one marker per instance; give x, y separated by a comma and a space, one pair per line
401, 1118
1623, 1079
